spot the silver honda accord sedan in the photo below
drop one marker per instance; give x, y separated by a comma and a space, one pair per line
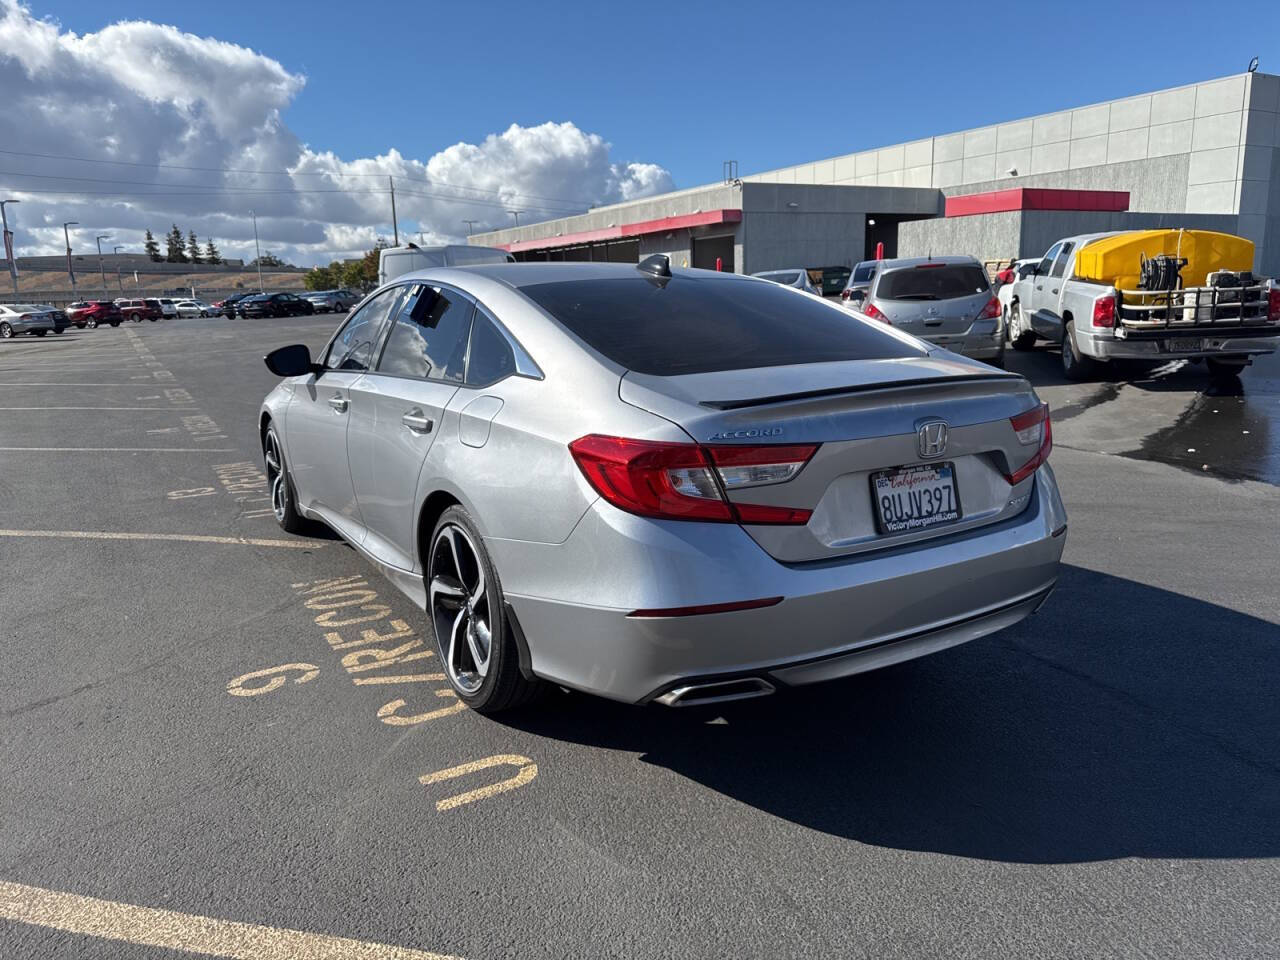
657, 484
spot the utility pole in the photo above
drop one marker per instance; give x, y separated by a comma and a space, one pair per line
470, 226
119, 282
101, 271
516, 214
258, 250
395, 226
75, 295
8, 247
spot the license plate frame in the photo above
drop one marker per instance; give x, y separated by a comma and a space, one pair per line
938, 518
1186, 345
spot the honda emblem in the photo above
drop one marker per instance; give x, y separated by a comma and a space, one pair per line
932, 436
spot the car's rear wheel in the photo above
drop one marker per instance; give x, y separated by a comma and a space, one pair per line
1226, 367
464, 601
115, 323
1075, 366
278, 482
135, 317
6, 331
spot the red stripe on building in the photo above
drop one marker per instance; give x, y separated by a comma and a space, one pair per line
709, 218
1029, 198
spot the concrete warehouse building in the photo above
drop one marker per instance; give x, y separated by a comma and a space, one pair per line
1205, 155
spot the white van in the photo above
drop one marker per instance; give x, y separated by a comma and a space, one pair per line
395, 261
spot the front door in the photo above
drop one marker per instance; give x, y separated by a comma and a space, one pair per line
418, 372
318, 418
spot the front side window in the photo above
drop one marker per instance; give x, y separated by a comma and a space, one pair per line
1047, 262
352, 348
490, 358
429, 336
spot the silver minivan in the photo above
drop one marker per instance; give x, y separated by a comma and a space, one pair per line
945, 300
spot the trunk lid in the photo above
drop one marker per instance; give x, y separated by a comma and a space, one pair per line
866, 415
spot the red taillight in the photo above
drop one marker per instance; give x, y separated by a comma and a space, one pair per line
1032, 426
683, 481
990, 311
1005, 276
1273, 305
844, 294
929, 266
1104, 311
875, 313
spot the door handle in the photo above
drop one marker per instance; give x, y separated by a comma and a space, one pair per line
339, 403
1054, 290
417, 421
933, 323
1039, 286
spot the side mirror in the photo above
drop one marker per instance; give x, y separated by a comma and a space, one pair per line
291, 361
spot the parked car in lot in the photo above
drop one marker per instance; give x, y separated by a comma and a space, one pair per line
326, 301
1148, 295
195, 308
168, 306
228, 306
945, 300
60, 319
139, 310
16, 318
855, 288
274, 305
797, 278
1006, 284
679, 486
94, 313
834, 280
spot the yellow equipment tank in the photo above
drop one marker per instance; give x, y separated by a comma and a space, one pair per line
1117, 260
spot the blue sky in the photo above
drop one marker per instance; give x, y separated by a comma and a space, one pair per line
689, 85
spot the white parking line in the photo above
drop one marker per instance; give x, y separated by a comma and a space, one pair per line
188, 932
178, 537
118, 383
188, 407
121, 449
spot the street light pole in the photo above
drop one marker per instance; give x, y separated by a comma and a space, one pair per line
258, 250
470, 226
102, 272
119, 282
395, 224
8, 247
75, 295
516, 214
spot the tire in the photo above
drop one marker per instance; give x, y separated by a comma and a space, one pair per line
91, 323
283, 500
135, 317
1227, 368
115, 323
6, 331
464, 602
1022, 340
204, 313
1075, 366
39, 333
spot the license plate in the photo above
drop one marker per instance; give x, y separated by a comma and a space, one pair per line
914, 498
1186, 345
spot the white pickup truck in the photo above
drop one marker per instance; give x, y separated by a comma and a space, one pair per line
1227, 322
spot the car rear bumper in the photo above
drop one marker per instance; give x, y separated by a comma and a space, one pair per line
1163, 346
835, 618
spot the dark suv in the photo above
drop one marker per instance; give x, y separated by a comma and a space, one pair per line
274, 305
94, 313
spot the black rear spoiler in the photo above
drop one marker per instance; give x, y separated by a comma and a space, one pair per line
858, 388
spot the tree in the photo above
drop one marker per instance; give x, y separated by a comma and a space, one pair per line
324, 278
269, 259
211, 254
151, 248
193, 247
175, 246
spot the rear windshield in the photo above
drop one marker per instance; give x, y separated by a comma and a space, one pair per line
700, 326
947, 282
785, 276
862, 272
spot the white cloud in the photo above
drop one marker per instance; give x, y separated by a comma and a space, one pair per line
145, 94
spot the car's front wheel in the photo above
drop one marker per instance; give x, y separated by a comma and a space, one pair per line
135, 317
474, 636
91, 323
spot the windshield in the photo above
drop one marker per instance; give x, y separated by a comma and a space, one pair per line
690, 325
947, 281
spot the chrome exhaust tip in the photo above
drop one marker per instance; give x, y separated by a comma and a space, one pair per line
695, 694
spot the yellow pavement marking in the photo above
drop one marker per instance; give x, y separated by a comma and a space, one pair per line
122, 449
526, 771
170, 930
181, 537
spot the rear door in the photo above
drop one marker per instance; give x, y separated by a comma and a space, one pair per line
400, 404
937, 301
319, 414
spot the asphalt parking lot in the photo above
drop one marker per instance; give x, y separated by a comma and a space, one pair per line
195, 756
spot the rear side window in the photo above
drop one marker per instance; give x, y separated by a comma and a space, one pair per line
429, 337
947, 282
1060, 265
695, 325
862, 273
490, 358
